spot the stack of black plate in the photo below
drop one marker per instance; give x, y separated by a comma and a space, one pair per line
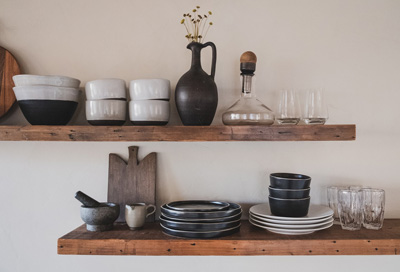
200, 218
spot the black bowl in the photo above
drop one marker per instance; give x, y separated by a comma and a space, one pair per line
289, 207
289, 181
289, 193
48, 112
106, 122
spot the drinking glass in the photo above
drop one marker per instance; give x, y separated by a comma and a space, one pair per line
358, 187
288, 109
333, 200
349, 208
315, 110
373, 208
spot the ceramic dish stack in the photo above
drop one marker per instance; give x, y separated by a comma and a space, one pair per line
149, 105
47, 100
318, 218
106, 102
200, 218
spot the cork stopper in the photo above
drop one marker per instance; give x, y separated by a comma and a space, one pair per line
248, 63
248, 56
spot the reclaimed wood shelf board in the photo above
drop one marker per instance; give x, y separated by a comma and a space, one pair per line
178, 133
249, 241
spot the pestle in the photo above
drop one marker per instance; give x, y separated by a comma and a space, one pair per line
86, 200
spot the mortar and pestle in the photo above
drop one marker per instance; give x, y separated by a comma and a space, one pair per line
97, 216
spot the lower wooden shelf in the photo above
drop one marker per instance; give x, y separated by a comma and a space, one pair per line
178, 133
249, 241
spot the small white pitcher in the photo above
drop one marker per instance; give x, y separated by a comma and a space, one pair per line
136, 214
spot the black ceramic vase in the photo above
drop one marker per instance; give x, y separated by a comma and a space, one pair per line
196, 95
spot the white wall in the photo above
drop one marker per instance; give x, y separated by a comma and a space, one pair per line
349, 47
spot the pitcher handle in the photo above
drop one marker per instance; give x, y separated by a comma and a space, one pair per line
214, 57
153, 211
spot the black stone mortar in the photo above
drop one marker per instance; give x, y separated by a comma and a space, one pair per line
100, 218
97, 216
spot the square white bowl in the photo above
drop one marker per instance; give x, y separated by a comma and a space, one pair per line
108, 88
149, 112
150, 89
106, 110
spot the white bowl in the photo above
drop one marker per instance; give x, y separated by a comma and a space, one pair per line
39, 92
60, 81
109, 88
145, 89
102, 110
149, 112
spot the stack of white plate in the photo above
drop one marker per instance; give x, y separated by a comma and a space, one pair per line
318, 218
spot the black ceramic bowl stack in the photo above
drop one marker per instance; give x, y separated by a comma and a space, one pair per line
289, 211
289, 194
200, 218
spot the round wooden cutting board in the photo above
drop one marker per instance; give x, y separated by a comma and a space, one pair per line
8, 68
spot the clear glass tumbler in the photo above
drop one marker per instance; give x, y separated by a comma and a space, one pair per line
333, 200
373, 208
288, 108
349, 208
315, 109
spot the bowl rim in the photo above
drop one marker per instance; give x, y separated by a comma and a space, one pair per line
107, 101
290, 199
275, 175
290, 190
111, 79
45, 76
102, 205
46, 87
150, 79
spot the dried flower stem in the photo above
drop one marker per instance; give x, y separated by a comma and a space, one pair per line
209, 25
195, 25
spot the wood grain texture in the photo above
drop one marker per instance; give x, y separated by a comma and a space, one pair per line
179, 133
250, 241
132, 181
8, 68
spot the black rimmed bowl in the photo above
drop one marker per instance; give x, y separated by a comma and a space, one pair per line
289, 181
289, 193
289, 207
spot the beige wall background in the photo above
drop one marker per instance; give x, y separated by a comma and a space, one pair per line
351, 48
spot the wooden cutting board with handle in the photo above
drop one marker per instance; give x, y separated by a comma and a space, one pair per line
132, 181
8, 68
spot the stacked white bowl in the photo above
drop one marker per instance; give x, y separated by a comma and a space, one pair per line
47, 100
149, 105
106, 102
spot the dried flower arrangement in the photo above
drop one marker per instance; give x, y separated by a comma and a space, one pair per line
195, 25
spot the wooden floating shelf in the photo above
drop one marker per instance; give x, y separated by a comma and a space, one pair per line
178, 133
249, 241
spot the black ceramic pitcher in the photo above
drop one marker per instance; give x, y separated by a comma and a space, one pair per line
196, 93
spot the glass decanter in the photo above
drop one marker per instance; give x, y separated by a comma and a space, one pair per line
248, 110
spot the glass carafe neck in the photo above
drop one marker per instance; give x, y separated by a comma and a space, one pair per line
247, 85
